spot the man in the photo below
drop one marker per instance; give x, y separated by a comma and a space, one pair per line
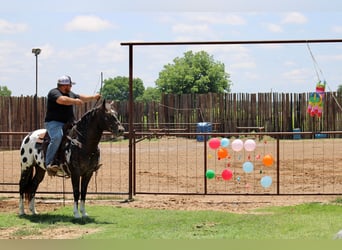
60, 111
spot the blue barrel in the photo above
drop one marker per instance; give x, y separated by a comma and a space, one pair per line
297, 136
203, 127
321, 136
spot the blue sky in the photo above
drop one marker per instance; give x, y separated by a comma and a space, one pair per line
82, 39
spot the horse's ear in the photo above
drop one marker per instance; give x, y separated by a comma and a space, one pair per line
106, 106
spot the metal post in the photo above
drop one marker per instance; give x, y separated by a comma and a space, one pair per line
36, 52
131, 115
36, 97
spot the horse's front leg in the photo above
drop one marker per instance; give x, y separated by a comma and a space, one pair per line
84, 188
75, 180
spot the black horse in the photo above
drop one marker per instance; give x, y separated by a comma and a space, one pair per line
81, 154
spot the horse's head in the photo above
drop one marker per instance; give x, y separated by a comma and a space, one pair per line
110, 121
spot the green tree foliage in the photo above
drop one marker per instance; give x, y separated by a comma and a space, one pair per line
194, 73
4, 91
117, 88
339, 89
150, 94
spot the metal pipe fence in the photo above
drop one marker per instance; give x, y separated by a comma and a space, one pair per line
177, 163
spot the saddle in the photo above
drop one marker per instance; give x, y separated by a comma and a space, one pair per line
43, 143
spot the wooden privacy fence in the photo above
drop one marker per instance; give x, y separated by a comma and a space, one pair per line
276, 112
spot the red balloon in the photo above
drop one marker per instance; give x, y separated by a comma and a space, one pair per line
214, 143
227, 174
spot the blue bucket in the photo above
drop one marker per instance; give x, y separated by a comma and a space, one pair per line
203, 127
297, 136
321, 136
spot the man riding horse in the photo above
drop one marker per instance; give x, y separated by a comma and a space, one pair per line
60, 101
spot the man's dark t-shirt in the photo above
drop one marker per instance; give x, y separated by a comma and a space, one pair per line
58, 112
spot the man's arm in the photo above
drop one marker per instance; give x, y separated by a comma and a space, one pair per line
87, 98
65, 100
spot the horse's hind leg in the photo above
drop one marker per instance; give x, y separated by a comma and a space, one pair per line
28, 187
37, 179
21, 205
24, 185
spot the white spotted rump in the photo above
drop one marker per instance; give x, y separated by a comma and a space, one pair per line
30, 155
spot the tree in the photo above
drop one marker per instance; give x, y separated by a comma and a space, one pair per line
4, 91
150, 94
339, 89
117, 88
194, 73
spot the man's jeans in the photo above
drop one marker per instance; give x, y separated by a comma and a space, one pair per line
55, 130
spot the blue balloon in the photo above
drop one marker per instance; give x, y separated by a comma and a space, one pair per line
225, 142
266, 181
248, 167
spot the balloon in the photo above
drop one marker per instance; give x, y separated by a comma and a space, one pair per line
267, 160
237, 145
225, 142
227, 174
266, 181
248, 167
214, 143
222, 153
249, 145
210, 174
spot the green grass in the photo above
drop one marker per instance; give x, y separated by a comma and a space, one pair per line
307, 221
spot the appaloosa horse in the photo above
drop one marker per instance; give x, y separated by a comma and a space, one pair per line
81, 154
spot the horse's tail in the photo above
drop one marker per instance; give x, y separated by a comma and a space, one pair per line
26, 183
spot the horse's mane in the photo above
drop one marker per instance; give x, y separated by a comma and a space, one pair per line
85, 117
81, 125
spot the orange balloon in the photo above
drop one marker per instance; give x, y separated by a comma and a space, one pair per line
267, 160
222, 153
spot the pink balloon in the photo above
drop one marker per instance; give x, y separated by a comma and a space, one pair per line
237, 145
214, 143
250, 145
227, 174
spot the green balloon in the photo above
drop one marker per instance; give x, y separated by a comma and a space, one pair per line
210, 174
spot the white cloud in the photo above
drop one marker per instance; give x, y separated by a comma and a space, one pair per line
183, 28
243, 65
337, 29
297, 75
10, 28
112, 52
295, 17
88, 23
217, 18
330, 58
275, 28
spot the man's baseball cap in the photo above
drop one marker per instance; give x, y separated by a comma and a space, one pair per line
65, 80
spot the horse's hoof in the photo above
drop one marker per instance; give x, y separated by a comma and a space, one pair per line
77, 216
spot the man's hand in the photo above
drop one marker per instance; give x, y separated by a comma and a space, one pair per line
97, 96
78, 101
